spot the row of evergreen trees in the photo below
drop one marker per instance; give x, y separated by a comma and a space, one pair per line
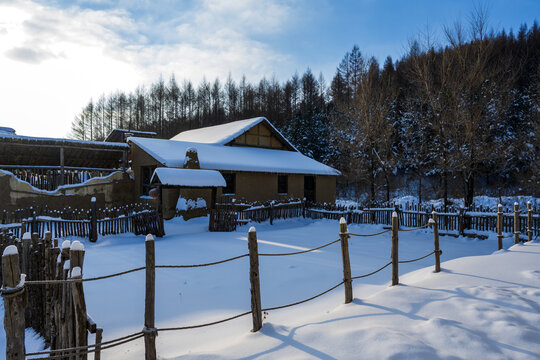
468, 110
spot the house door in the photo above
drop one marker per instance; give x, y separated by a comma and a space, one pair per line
309, 188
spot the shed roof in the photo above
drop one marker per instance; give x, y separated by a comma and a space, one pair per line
41, 151
225, 133
188, 177
171, 153
121, 135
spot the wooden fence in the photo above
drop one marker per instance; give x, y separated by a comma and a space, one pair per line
61, 309
55, 304
69, 213
456, 223
142, 222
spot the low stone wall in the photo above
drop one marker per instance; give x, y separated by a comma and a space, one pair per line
115, 189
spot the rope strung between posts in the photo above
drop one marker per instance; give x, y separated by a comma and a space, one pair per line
420, 258
418, 228
206, 324
248, 312
366, 235
201, 265
371, 273
302, 252
59, 353
303, 301
52, 282
47, 282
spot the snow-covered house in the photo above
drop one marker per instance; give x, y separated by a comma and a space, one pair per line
256, 160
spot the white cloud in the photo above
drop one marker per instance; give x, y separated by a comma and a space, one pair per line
52, 60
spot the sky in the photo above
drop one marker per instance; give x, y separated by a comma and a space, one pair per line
56, 55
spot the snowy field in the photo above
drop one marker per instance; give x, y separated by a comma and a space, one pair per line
484, 304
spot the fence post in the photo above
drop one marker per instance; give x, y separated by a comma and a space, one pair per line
395, 259
347, 281
12, 292
99, 335
271, 213
48, 288
435, 224
149, 330
93, 220
77, 292
516, 223
500, 225
529, 222
461, 222
256, 309
160, 211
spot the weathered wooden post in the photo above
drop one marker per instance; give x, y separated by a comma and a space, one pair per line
93, 220
500, 226
12, 293
256, 309
61, 167
395, 258
99, 336
26, 244
34, 223
435, 223
160, 211
271, 213
516, 223
149, 330
77, 292
47, 241
461, 222
529, 222
347, 281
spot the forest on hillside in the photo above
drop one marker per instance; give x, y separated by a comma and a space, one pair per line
464, 112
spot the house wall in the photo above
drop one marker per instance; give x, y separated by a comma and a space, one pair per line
251, 187
259, 136
325, 189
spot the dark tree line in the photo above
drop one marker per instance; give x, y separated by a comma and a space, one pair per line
465, 111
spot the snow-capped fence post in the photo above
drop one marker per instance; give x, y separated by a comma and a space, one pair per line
256, 308
14, 303
461, 222
499, 227
516, 223
435, 223
271, 213
77, 292
395, 258
149, 330
93, 220
347, 281
529, 221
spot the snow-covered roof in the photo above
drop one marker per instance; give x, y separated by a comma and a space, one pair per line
222, 134
12, 137
188, 177
171, 153
7, 130
120, 135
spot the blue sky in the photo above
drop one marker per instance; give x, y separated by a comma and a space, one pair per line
58, 54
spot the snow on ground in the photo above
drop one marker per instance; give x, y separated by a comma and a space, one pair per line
483, 305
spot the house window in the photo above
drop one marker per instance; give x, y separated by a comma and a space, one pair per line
283, 184
230, 180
